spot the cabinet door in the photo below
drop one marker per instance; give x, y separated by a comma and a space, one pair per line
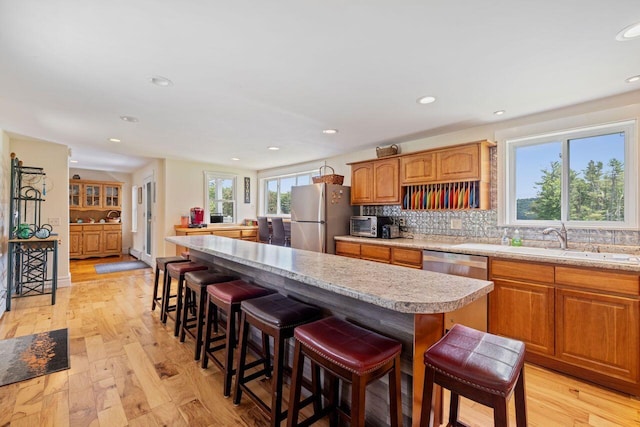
386, 187
75, 243
418, 169
92, 195
349, 249
362, 183
523, 311
92, 242
112, 242
376, 253
407, 257
598, 332
112, 196
461, 163
75, 195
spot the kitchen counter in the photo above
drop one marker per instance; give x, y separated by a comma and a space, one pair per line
218, 226
613, 261
403, 303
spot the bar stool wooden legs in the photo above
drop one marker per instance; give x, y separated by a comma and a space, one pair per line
161, 264
351, 353
479, 366
274, 315
194, 302
176, 270
226, 297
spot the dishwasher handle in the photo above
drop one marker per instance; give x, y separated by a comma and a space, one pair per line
466, 261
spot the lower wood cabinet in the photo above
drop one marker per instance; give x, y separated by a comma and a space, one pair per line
581, 321
379, 253
95, 240
243, 232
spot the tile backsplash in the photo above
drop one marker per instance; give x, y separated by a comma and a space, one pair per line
482, 226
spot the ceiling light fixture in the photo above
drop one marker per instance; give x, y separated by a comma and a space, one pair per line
633, 79
73, 161
499, 112
330, 131
628, 33
129, 119
161, 81
235, 159
273, 148
114, 140
426, 100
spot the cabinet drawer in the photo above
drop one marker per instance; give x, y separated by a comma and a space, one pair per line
529, 271
407, 257
375, 253
249, 233
609, 281
234, 234
348, 249
112, 227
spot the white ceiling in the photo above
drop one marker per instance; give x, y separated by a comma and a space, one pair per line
251, 74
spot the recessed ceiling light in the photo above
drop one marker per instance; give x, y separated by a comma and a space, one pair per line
426, 100
499, 112
273, 148
114, 140
633, 79
330, 131
129, 119
235, 159
161, 81
630, 32
73, 161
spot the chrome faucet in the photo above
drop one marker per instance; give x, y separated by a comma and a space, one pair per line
561, 234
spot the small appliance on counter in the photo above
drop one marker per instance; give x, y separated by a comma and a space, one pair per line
390, 231
216, 218
369, 226
197, 218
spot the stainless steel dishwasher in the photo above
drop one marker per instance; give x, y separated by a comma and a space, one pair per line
473, 315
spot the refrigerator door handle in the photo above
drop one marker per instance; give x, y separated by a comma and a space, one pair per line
323, 238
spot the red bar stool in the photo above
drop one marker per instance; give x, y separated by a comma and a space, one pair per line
351, 353
274, 315
161, 264
479, 366
227, 298
176, 270
194, 302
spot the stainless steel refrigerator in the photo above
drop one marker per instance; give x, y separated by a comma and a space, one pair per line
319, 212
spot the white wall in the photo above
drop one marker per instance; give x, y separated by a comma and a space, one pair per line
5, 183
125, 179
54, 158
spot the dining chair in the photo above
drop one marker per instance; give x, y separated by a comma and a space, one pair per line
278, 236
263, 230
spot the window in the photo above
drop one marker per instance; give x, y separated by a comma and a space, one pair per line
278, 192
220, 196
583, 177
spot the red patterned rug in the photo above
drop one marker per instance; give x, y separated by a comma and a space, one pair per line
33, 355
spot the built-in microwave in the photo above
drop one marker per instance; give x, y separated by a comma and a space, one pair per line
368, 226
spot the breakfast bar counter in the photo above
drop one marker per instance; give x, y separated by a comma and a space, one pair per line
398, 302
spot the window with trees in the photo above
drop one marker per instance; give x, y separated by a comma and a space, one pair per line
220, 195
278, 192
582, 177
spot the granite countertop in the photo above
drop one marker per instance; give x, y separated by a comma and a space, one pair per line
397, 288
608, 260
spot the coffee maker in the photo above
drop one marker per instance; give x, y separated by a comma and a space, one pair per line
197, 218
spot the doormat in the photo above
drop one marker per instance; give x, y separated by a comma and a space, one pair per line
114, 267
33, 355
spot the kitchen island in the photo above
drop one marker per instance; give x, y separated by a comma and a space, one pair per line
405, 304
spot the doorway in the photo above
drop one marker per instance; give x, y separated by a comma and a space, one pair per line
148, 196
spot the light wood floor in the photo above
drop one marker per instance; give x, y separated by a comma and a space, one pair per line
128, 369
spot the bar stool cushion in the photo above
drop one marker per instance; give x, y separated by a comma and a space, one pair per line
280, 311
484, 361
176, 269
354, 348
236, 291
162, 262
207, 277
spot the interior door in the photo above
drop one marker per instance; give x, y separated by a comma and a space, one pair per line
148, 220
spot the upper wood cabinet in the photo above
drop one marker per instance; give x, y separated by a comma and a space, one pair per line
375, 182
468, 162
94, 195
